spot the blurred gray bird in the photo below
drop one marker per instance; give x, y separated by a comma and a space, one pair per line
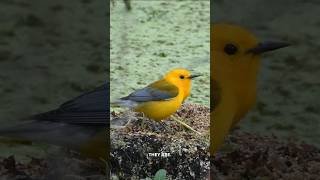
79, 124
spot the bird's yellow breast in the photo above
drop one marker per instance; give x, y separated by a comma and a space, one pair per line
159, 110
234, 79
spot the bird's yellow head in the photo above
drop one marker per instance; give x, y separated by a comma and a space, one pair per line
182, 79
236, 52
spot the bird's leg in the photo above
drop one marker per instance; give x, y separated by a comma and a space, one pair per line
143, 124
184, 124
164, 126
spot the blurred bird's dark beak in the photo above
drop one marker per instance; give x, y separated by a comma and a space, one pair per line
194, 76
267, 46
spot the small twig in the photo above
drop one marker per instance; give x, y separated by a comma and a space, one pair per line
185, 125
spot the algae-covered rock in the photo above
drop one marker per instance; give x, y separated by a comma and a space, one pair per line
182, 153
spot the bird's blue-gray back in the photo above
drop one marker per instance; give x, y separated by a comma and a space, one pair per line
157, 91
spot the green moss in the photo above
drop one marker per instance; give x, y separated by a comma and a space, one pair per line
156, 37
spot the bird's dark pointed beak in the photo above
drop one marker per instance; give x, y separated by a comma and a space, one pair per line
267, 46
194, 76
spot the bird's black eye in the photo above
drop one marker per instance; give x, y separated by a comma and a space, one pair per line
181, 76
230, 49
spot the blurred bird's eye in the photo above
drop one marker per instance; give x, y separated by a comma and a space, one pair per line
230, 49
181, 76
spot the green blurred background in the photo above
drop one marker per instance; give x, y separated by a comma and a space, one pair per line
156, 37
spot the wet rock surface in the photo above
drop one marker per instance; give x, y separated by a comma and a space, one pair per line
185, 154
262, 157
70, 168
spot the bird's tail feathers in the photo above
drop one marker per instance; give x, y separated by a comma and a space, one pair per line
124, 103
49, 133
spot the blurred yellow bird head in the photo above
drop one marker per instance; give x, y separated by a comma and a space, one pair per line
236, 52
235, 59
182, 79
235, 62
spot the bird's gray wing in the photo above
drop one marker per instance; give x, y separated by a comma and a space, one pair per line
157, 91
88, 109
73, 123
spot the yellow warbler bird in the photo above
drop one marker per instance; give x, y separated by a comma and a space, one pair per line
161, 98
235, 61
